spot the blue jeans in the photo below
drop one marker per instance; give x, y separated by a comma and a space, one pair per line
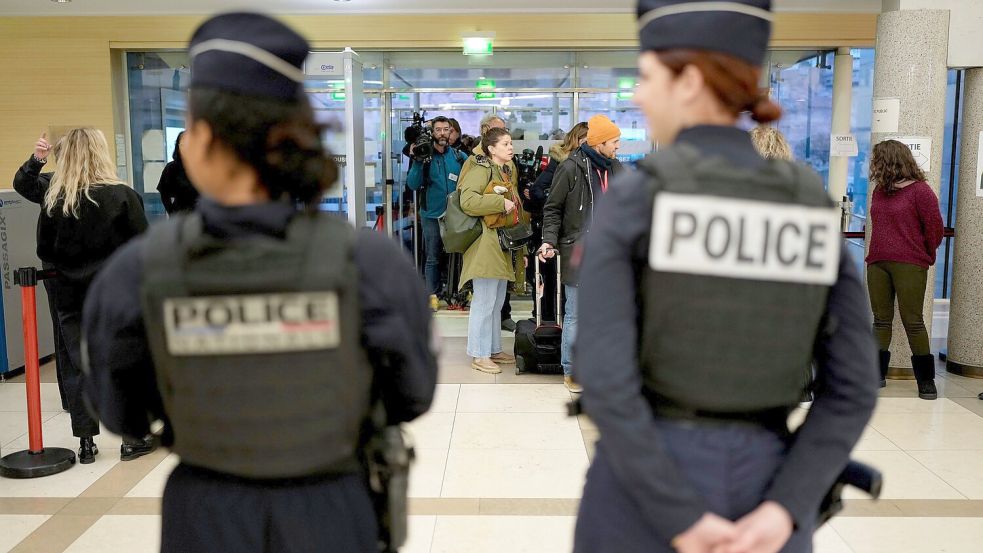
569, 329
485, 318
433, 247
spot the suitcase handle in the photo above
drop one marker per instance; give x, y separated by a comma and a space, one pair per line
559, 293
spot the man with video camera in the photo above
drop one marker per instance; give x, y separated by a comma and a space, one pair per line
434, 171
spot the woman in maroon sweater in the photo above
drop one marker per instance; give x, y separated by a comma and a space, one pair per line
906, 230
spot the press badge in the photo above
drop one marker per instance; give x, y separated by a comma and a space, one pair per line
745, 239
252, 324
452, 177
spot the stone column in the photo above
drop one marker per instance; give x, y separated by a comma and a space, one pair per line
911, 64
965, 342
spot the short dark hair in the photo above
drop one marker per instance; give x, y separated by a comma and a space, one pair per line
492, 137
455, 124
440, 119
280, 139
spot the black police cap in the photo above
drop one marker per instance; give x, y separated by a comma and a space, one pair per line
250, 54
740, 28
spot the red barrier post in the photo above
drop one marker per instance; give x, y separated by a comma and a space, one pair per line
36, 460
32, 369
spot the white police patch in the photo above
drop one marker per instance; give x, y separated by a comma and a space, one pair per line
745, 239
252, 324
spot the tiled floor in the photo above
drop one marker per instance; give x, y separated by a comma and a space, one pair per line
500, 468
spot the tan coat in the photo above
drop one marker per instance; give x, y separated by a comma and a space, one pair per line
485, 258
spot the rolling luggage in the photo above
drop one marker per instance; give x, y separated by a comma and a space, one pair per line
537, 344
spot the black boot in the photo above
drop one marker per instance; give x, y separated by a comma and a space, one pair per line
885, 359
132, 449
87, 451
924, 368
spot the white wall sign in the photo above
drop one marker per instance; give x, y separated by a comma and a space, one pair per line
921, 149
979, 169
887, 115
843, 145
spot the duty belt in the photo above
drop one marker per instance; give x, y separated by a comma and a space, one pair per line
774, 419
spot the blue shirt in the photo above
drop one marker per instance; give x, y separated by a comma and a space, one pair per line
442, 180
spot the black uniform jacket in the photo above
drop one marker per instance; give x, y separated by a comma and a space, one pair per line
396, 323
606, 362
78, 247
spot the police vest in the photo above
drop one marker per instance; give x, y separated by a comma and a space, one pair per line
740, 263
256, 343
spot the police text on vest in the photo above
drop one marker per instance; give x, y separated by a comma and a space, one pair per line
252, 324
735, 238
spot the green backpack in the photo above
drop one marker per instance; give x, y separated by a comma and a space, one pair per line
458, 230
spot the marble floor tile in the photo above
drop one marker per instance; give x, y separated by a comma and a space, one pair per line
929, 431
904, 478
826, 540
516, 431
872, 440
963, 470
913, 405
153, 484
14, 528
502, 534
515, 473
129, 533
910, 535
445, 398
427, 473
13, 397
13, 426
514, 398
419, 534
431, 431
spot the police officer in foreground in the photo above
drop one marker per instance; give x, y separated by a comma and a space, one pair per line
257, 330
710, 281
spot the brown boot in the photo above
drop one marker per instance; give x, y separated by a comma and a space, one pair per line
486, 366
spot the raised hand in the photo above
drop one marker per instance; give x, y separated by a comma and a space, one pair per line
42, 147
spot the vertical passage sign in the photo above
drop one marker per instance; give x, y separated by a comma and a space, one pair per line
979, 169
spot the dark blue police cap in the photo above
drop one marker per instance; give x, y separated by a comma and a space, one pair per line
250, 54
740, 28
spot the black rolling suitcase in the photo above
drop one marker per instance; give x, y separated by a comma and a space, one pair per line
537, 344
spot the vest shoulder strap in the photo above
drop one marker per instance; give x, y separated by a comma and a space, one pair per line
668, 165
166, 244
330, 241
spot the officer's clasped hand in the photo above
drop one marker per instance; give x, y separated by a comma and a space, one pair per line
765, 530
546, 251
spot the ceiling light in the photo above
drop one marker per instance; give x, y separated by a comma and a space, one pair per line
61, 1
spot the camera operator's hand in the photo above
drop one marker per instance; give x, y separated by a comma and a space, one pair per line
412, 147
526, 194
509, 206
42, 147
546, 251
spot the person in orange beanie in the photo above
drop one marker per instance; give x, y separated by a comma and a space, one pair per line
580, 179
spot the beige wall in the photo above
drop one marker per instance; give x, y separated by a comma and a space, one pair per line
59, 70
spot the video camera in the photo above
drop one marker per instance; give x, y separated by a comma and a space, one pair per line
420, 135
529, 165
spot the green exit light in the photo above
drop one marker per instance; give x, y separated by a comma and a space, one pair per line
339, 94
626, 95
477, 46
485, 83
626, 83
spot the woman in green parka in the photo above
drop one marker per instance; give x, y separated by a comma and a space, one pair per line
485, 263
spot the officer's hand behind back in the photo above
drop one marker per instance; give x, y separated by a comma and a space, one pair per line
708, 535
764, 530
